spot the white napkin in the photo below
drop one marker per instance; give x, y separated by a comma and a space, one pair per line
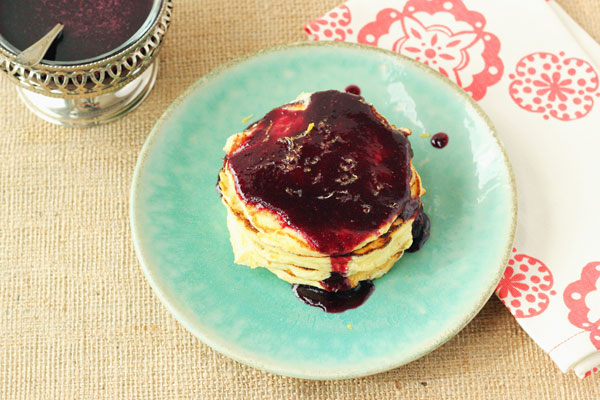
534, 71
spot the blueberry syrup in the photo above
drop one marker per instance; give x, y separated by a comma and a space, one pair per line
336, 295
91, 27
336, 283
334, 302
353, 89
339, 264
420, 231
337, 185
439, 140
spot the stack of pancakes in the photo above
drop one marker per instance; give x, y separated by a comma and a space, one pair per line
262, 236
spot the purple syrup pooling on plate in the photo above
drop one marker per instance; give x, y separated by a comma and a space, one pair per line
334, 302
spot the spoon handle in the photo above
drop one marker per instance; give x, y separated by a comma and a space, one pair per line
34, 53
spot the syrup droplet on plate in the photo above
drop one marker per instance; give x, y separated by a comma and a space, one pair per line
353, 89
439, 140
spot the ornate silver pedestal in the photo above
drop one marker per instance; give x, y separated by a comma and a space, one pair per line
95, 91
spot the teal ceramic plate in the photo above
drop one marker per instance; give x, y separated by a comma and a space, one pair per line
182, 241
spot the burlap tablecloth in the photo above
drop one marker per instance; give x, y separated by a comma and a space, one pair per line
79, 321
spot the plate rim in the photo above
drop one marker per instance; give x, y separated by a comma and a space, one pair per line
444, 337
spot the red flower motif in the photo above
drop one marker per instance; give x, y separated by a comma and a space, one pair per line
511, 283
335, 25
555, 86
439, 48
526, 285
443, 34
575, 296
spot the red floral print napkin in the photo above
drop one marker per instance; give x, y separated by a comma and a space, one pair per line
539, 84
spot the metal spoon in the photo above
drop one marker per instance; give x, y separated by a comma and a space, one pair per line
36, 52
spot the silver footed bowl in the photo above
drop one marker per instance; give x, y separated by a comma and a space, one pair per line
94, 91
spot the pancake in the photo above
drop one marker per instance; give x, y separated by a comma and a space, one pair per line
320, 187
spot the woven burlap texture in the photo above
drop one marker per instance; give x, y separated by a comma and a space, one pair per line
79, 321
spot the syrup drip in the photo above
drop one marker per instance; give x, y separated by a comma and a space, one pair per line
339, 264
336, 283
420, 231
